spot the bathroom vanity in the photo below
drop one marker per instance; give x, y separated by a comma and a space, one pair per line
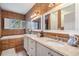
44, 46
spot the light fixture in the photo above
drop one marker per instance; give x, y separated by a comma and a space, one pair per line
51, 4
36, 13
33, 15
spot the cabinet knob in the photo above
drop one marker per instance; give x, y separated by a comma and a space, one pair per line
50, 54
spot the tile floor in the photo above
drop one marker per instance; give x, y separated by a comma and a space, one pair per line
11, 52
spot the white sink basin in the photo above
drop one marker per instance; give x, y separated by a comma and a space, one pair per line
54, 44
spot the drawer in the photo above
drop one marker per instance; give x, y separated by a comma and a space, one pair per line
53, 53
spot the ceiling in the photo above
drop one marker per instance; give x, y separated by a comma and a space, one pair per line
21, 8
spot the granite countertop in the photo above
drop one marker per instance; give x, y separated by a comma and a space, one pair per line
60, 31
66, 49
11, 37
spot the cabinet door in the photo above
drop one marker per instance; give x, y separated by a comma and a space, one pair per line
41, 50
32, 49
53, 53
26, 43
44, 51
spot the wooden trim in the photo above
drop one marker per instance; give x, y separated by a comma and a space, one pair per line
47, 21
12, 15
0, 53
0, 22
49, 24
6, 32
59, 19
11, 43
41, 7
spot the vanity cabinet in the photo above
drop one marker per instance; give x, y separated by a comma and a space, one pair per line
34, 48
44, 51
31, 47
26, 43
53, 53
41, 50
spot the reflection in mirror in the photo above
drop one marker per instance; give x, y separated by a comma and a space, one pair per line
28, 24
47, 22
53, 18
36, 24
13, 24
68, 17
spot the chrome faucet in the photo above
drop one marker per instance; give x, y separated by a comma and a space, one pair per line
59, 38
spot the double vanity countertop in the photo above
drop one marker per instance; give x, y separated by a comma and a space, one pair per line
62, 48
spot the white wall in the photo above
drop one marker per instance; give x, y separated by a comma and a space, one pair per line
53, 17
28, 24
69, 21
68, 17
77, 17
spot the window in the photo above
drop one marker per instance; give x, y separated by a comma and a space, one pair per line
13, 24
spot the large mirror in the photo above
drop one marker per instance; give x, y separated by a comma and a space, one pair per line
54, 20
61, 19
47, 22
36, 23
68, 17
13, 24
51, 21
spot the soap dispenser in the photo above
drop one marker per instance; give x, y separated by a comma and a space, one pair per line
72, 40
